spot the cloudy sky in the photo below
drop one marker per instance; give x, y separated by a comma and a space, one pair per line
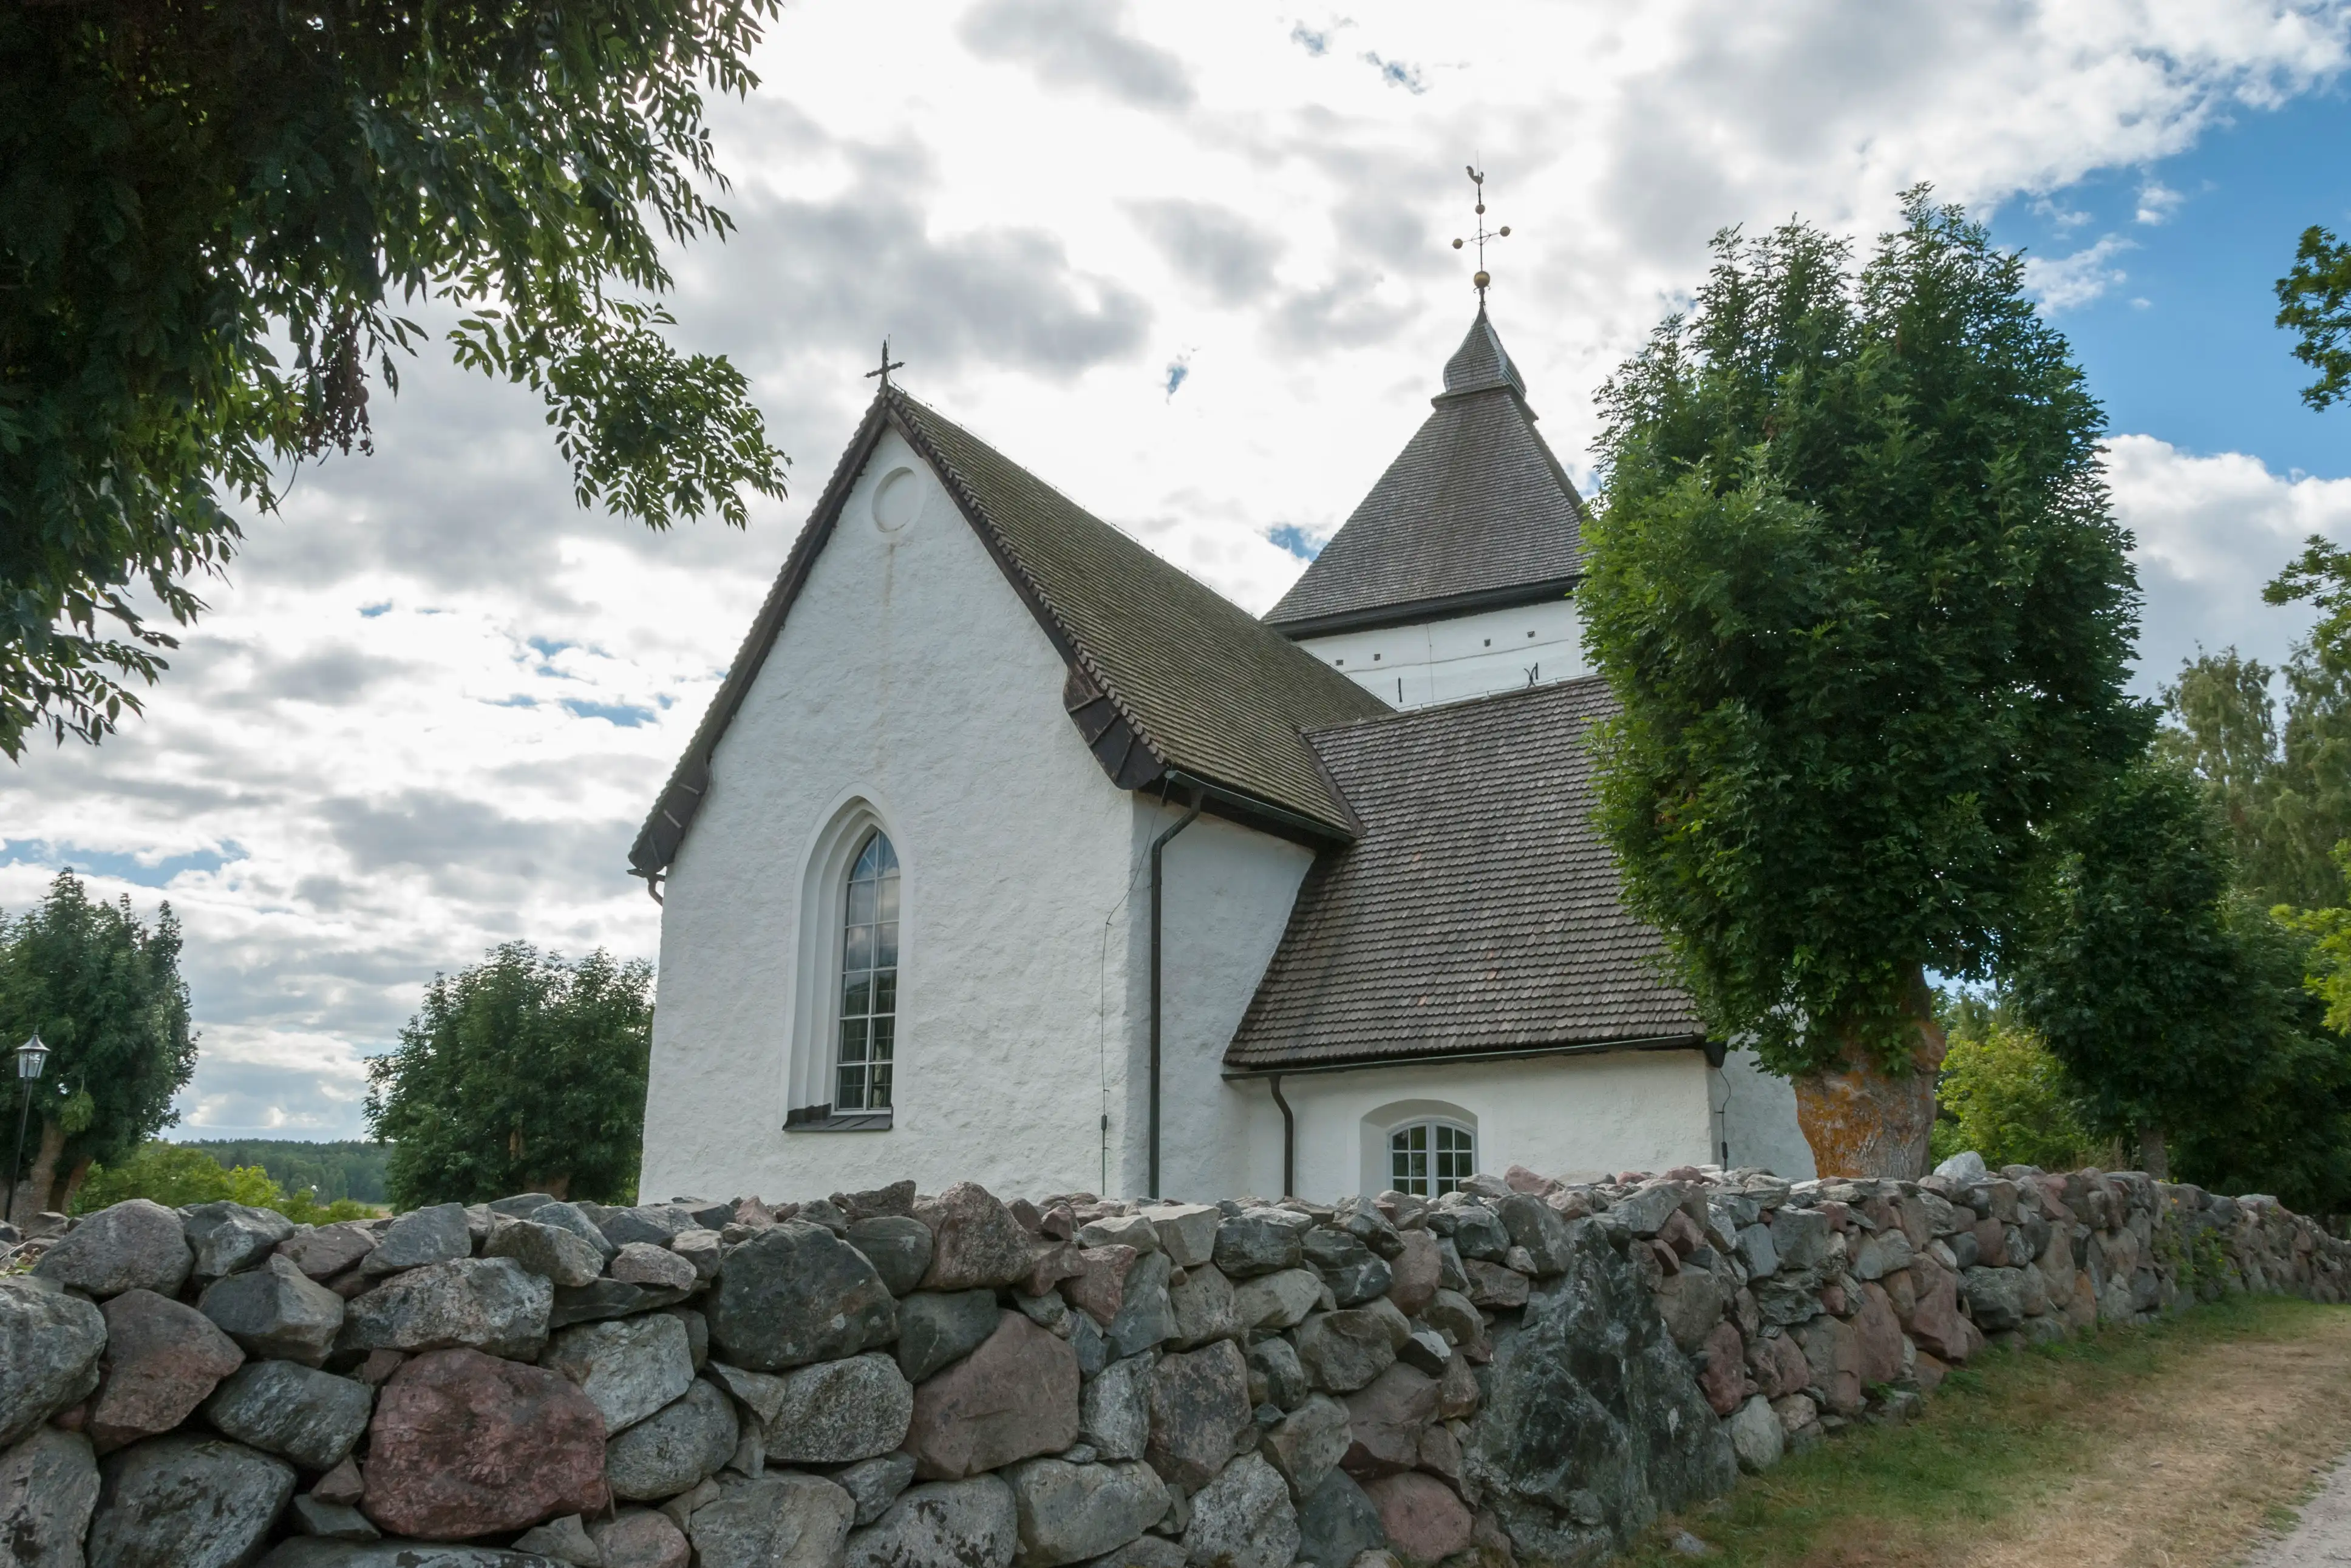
1192, 265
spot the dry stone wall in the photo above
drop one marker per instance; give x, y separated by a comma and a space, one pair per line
1520, 1371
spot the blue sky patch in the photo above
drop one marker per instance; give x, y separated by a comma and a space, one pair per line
622, 714
142, 872
1293, 538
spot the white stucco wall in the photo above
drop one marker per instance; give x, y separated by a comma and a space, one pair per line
1228, 892
910, 676
1466, 656
1577, 1116
1756, 1119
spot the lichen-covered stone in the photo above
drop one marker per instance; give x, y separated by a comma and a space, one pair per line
899, 1247
1386, 1419
974, 1239
837, 1412
491, 1304
1145, 1315
551, 1251
276, 1312
328, 1250
49, 1487
874, 1484
936, 1328
679, 1445
228, 1237
1114, 1412
629, 1367
1243, 1519
1067, 1513
136, 1245
1277, 1300
1255, 1243
1307, 1443
1337, 1524
968, 1524
639, 1538
186, 1502
1343, 1351
296, 1412
796, 1293
437, 1233
1199, 1410
780, 1520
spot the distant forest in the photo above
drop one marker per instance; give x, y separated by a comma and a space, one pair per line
351, 1169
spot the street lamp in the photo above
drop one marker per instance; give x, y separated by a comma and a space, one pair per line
31, 1056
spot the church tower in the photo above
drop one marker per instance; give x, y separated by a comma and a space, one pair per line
1451, 580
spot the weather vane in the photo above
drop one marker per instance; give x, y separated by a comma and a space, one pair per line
889, 364
1481, 278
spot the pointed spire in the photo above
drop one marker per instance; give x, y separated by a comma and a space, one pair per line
1481, 363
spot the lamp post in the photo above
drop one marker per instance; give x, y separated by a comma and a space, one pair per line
31, 1056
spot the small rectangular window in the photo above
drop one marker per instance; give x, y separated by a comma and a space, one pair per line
1429, 1159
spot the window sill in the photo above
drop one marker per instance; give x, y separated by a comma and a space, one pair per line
825, 1119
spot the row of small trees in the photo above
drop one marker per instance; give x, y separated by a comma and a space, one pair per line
1860, 589
522, 1072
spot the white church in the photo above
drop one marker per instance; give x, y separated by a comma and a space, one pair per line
1008, 852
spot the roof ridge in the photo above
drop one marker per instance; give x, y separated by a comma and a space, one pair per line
1455, 705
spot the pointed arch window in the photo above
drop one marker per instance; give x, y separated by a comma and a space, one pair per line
866, 1053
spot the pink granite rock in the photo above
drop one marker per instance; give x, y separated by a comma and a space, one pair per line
163, 1360
640, 1538
1724, 1382
464, 1444
976, 1239
1935, 1321
1418, 1273
1880, 1333
1425, 1521
1099, 1283
1386, 1419
1779, 1366
1015, 1396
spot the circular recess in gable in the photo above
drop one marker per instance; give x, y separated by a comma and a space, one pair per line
897, 500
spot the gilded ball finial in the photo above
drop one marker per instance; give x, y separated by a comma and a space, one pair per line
1506, 231
1480, 278
1456, 245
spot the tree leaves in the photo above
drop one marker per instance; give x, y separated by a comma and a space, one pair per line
1858, 591
522, 1073
188, 184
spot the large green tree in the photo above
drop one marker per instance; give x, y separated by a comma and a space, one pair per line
2315, 305
523, 1074
213, 213
104, 991
1859, 591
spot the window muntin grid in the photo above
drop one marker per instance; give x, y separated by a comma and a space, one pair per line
869, 980
1429, 1159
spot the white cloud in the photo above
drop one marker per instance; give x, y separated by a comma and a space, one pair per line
2079, 278
2158, 202
2212, 530
1045, 206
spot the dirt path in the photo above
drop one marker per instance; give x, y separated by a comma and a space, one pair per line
2324, 1536
2208, 1454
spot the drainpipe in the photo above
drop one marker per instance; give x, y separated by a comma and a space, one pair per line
1288, 1141
1158, 844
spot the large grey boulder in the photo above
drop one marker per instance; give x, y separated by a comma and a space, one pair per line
1148, 1551
551, 1251
1115, 1411
1756, 1436
1275, 1360
671, 1450
974, 1241
762, 1391
935, 1328
438, 1234
610, 1298
1187, 1231
1015, 1396
228, 1237
1995, 1298
1203, 1308
1800, 1238
1343, 1351
276, 1311
1068, 1512
638, 1538
1337, 1524
311, 1418
137, 1245
490, 1305
1255, 1243
837, 1412
572, 1218
1306, 1445
781, 1521
642, 1264
629, 1368
897, 1245
1592, 1423
48, 1485
1243, 1519
1277, 1300
796, 1293
1540, 1229
1145, 1315
1346, 1265
1199, 1411
326, 1251
970, 1524
50, 1348
186, 1502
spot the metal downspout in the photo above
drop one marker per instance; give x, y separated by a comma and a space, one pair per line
1158, 844
1288, 1141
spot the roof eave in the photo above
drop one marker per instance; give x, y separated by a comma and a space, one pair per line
1411, 611
1356, 1064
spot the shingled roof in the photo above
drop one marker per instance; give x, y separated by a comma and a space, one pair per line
1475, 514
1166, 675
1479, 911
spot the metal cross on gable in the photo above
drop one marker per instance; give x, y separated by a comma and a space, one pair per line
888, 364
1481, 280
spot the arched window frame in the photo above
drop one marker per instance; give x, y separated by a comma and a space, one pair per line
1447, 1156
811, 1062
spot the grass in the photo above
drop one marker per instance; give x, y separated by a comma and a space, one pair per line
1998, 1440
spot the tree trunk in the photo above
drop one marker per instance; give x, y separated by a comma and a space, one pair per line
2154, 1158
1864, 1121
74, 1178
33, 1192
